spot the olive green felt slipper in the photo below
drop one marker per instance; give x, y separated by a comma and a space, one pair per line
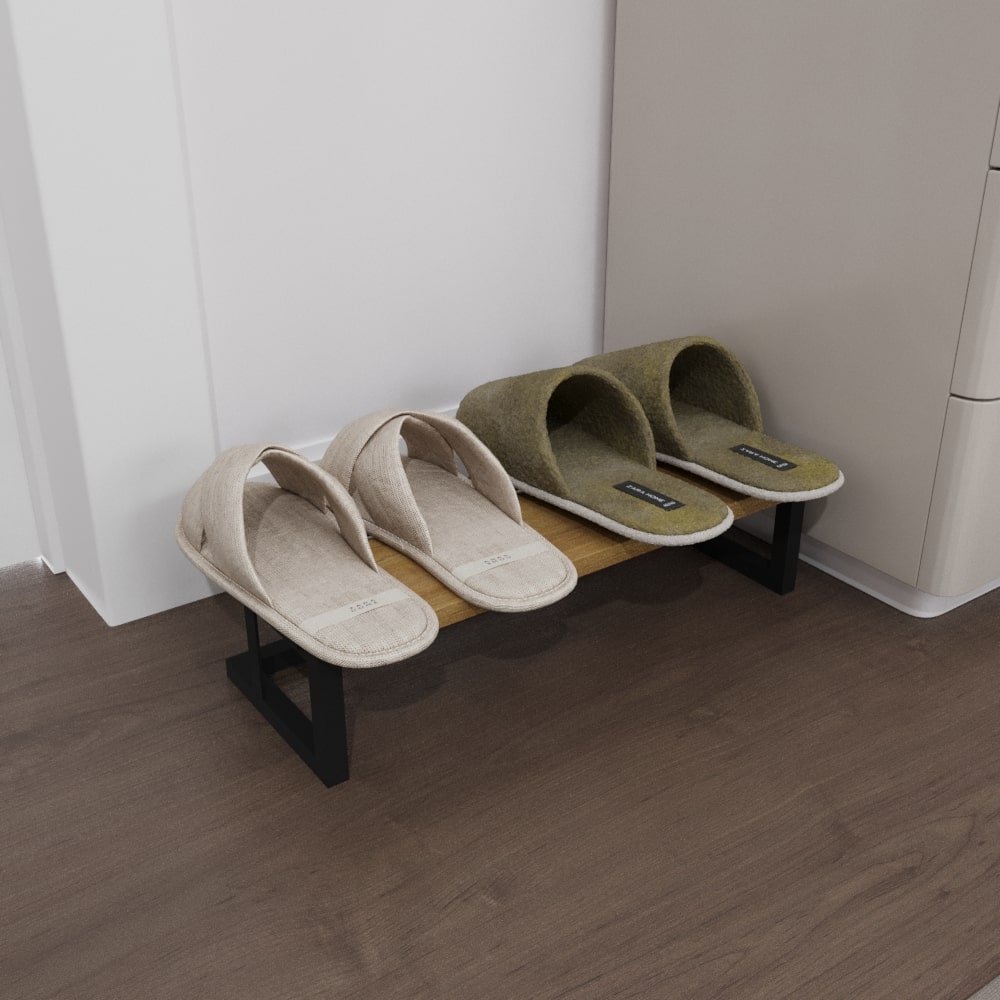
705, 417
578, 439
467, 531
296, 554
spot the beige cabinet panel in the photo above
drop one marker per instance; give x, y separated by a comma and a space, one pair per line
962, 552
995, 158
804, 182
977, 365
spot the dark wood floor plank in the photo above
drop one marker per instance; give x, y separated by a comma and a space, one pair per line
672, 784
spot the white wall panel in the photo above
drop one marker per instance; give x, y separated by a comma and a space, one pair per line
394, 202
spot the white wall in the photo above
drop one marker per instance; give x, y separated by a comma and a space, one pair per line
19, 539
394, 201
391, 206
112, 360
30, 333
18, 534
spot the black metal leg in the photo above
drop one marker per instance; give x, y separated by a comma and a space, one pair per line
321, 741
777, 570
255, 675
329, 724
785, 546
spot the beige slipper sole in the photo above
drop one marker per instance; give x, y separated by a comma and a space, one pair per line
467, 531
297, 555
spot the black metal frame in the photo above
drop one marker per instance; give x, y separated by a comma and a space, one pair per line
322, 740
777, 570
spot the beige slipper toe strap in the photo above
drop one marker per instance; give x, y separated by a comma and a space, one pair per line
298, 475
365, 457
212, 516
212, 513
448, 435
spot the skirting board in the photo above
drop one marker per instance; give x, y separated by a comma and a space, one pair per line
991, 991
867, 579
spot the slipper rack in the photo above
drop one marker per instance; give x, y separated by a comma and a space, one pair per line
320, 737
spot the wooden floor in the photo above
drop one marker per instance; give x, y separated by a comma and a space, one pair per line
673, 784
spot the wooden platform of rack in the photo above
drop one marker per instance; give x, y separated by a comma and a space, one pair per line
589, 546
320, 738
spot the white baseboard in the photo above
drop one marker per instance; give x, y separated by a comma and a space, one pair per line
991, 991
867, 579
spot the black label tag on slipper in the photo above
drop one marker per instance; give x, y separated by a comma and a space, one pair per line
660, 500
765, 458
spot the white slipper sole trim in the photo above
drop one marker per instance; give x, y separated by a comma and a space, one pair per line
289, 629
752, 491
620, 529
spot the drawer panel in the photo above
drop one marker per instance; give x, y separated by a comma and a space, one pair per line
962, 548
977, 365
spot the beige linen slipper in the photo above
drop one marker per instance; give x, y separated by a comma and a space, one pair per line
705, 417
465, 531
579, 440
296, 553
